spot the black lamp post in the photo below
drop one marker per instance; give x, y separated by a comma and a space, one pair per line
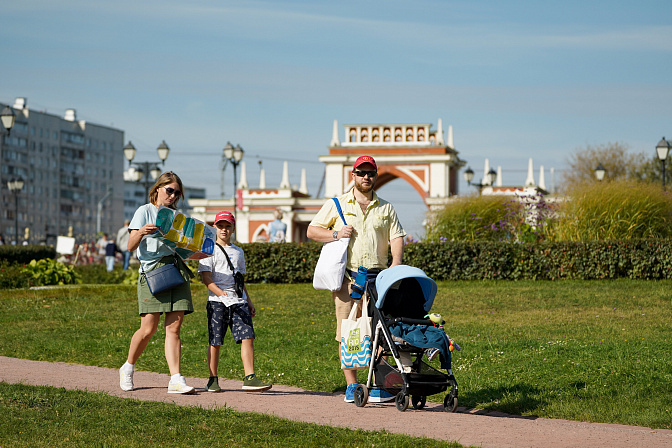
8, 117
491, 176
663, 149
234, 155
140, 170
600, 172
15, 186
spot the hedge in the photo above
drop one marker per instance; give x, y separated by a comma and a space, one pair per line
636, 259
24, 254
649, 259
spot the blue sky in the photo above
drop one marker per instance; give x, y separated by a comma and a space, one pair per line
515, 79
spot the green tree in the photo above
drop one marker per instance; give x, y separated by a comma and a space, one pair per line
616, 160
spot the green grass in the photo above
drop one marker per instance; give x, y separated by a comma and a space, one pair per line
43, 416
579, 350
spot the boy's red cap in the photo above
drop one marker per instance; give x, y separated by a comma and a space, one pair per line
225, 216
365, 159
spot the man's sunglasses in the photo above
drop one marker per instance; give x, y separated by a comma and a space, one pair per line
371, 174
170, 191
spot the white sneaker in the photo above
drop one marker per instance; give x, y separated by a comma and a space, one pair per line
179, 386
126, 379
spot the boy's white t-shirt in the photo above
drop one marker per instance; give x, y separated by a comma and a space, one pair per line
222, 275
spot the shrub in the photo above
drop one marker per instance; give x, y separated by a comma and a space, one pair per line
492, 218
24, 254
51, 272
615, 211
12, 275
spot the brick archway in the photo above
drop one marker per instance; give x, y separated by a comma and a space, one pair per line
421, 158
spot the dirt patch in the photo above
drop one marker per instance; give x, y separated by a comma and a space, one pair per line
466, 427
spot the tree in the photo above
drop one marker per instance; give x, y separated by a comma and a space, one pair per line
618, 163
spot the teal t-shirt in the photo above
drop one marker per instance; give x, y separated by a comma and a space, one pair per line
151, 248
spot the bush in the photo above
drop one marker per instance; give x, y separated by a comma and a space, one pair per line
615, 211
51, 272
649, 259
24, 254
493, 218
12, 275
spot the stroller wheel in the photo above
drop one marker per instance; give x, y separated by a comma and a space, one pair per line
401, 401
361, 395
450, 402
418, 401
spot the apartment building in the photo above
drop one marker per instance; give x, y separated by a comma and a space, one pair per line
72, 172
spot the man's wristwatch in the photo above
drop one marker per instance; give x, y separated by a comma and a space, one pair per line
335, 235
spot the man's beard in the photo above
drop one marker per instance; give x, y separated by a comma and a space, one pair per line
364, 190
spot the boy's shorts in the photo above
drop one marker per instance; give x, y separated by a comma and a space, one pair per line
221, 317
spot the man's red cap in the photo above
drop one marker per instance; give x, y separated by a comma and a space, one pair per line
365, 159
225, 216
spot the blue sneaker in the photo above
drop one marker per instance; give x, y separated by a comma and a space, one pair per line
380, 396
350, 393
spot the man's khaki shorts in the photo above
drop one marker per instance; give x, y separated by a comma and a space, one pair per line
344, 305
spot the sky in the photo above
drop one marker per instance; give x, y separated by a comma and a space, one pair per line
516, 79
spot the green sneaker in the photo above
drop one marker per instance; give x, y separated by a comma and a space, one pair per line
251, 382
213, 385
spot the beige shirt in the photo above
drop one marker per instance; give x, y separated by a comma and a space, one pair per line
373, 229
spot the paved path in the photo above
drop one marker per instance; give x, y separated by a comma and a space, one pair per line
468, 428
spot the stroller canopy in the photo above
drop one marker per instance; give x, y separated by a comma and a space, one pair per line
391, 279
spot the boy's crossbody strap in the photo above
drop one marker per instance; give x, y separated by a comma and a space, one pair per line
227, 258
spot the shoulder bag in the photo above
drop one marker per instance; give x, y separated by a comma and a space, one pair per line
163, 278
330, 267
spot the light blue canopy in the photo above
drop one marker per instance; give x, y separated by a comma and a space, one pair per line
388, 277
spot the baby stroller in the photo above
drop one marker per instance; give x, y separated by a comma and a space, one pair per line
403, 297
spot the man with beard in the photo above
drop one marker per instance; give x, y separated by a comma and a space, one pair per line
372, 224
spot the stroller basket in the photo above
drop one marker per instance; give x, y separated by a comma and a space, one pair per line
428, 382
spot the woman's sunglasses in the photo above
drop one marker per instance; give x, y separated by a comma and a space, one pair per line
371, 174
170, 191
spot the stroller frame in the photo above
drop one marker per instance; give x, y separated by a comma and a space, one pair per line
409, 382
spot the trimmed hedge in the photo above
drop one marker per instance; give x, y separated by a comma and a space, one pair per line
25, 254
636, 259
649, 259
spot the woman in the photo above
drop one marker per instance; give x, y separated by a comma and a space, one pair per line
175, 303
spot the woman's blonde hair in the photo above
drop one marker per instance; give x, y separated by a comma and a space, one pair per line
166, 178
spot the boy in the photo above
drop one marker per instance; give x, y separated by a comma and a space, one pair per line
225, 308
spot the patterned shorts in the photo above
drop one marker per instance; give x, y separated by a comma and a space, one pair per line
221, 317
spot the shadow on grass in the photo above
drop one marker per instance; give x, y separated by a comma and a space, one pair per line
505, 401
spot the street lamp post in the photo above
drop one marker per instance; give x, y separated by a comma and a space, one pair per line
600, 172
15, 186
234, 155
7, 117
140, 170
469, 176
663, 149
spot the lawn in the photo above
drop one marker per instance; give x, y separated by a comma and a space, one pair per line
580, 350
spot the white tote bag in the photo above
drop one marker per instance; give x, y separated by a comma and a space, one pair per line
330, 267
356, 338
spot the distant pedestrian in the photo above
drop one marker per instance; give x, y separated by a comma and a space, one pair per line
122, 243
111, 250
277, 229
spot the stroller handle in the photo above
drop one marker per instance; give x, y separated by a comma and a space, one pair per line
408, 320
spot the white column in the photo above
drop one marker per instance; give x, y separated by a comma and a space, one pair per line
285, 176
262, 179
529, 182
